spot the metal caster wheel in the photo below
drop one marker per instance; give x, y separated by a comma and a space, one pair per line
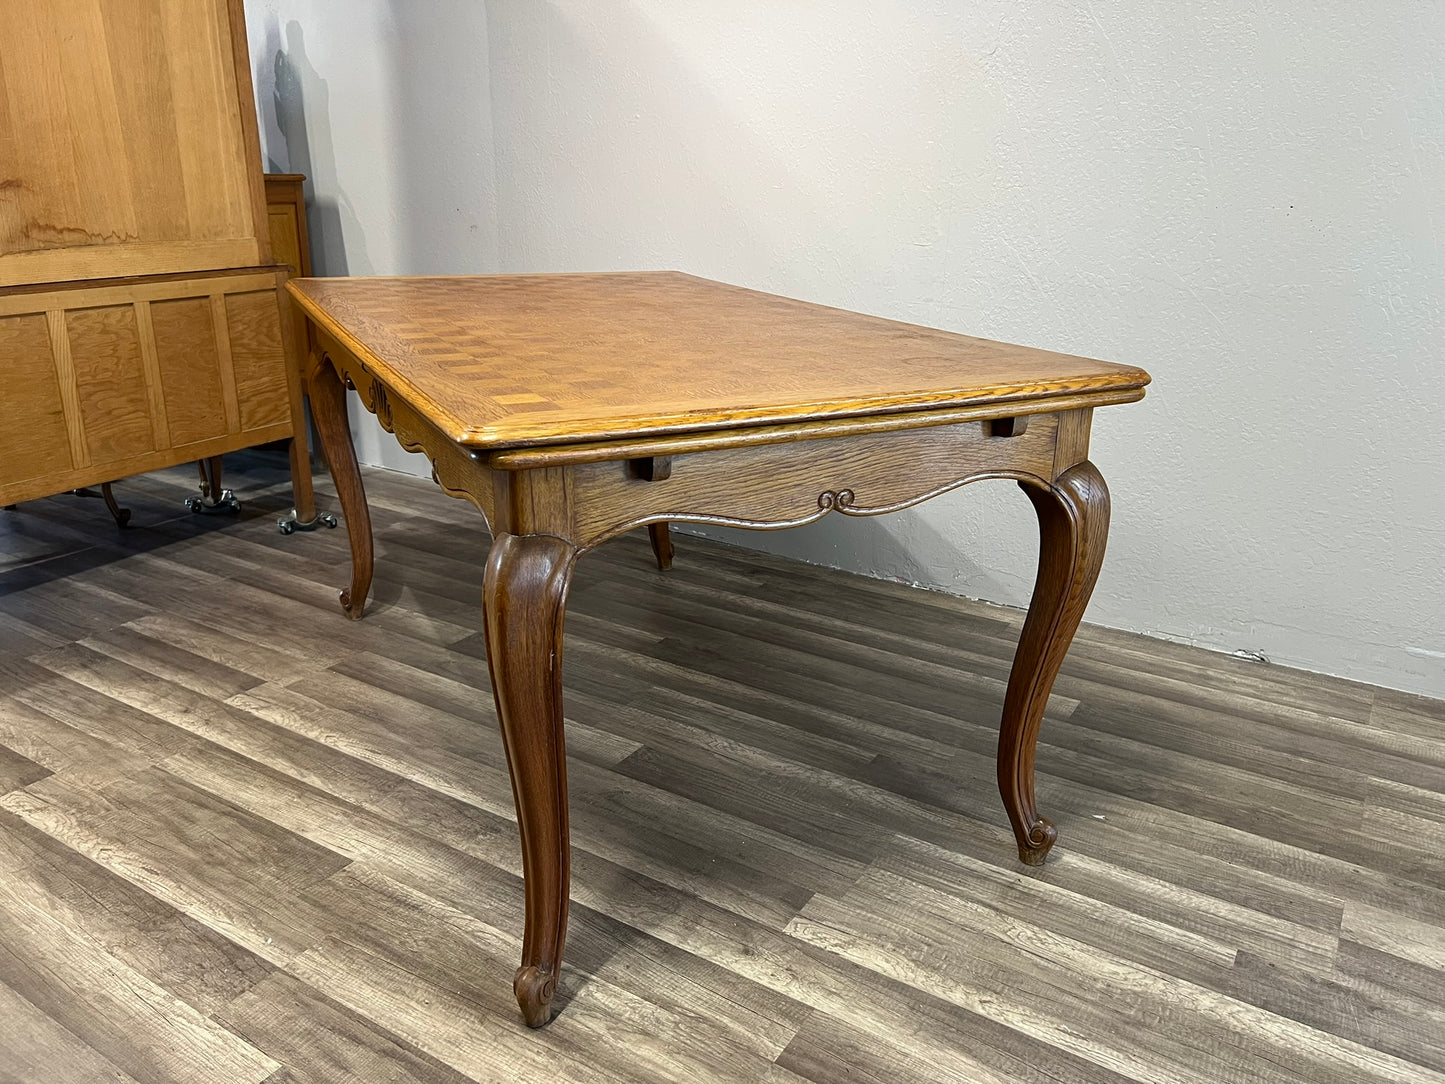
227, 505
290, 524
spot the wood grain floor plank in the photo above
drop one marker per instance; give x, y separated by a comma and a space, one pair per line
453, 949
1196, 938
320, 1041
723, 619
194, 853
1236, 743
827, 668
34, 1049
1365, 1012
47, 741
1406, 979
825, 1051
466, 775
1388, 879
170, 949
170, 663
1328, 741
20, 638
1394, 796
18, 770
320, 596
80, 706
882, 928
1398, 934
1402, 713
260, 661
866, 1001
128, 1019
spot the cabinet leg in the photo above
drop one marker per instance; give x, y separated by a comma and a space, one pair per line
328, 408
1073, 518
119, 514
661, 539
303, 516
213, 500
524, 595
211, 478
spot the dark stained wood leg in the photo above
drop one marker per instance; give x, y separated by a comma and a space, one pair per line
119, 514
661, 539
524, 594
1073, 527
328, 408
211, 478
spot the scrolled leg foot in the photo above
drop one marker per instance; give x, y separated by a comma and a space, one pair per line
1073, 515
534, 989
352, 609
119, 514
1035, 844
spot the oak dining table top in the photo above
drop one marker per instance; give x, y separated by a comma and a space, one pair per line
507, 361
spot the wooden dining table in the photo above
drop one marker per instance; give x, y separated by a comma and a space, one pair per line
572, 408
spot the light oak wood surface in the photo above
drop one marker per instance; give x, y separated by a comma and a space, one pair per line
286, 220
129, 140
253, 835
504, 361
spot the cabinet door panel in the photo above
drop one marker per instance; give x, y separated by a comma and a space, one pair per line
33, 442
105, 346
190, 369
259, 358
126, 133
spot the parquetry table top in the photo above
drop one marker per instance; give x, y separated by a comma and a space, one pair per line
503, 361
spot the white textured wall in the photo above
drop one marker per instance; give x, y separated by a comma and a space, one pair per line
1243, 197
384, 105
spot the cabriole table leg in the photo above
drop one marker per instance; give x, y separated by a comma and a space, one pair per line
328, 409
524, 594
1073, 526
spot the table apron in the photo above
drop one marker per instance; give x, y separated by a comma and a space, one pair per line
782, 485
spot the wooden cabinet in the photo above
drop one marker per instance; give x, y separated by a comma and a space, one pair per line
142, 317
286, 216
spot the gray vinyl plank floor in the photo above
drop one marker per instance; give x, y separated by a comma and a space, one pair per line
244, 839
